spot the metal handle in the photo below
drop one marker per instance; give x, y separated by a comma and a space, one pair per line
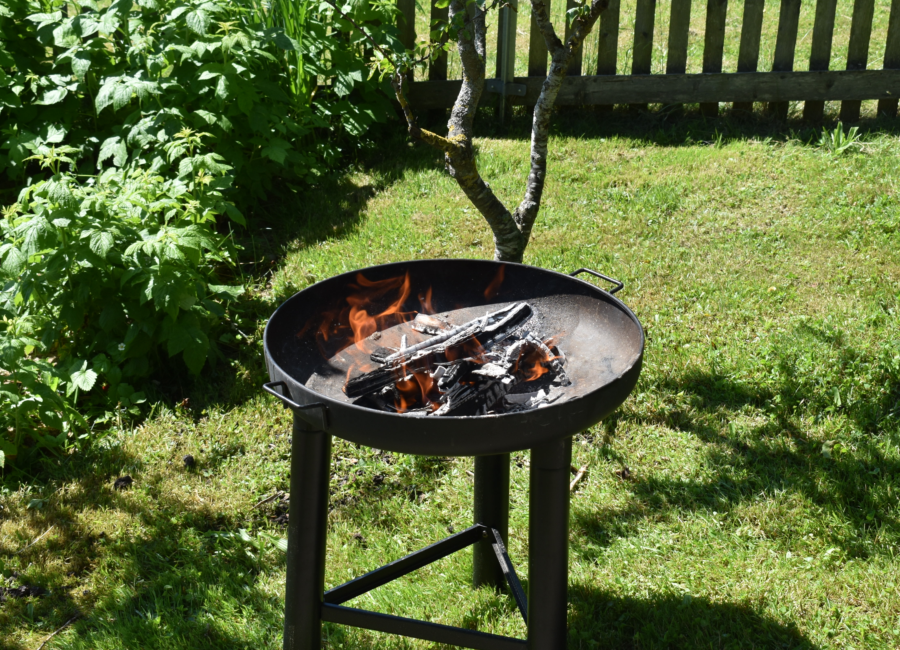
319, 422
618, 284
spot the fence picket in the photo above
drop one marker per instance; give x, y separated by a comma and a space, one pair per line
437, 69
506, 53
575, 66
888, 107
858, 50
785, 46
406, 22
608, 46
748, 54
537, 48
714, 45
642, 54
819, 58
679, 28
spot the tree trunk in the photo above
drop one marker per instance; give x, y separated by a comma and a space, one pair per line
511, 231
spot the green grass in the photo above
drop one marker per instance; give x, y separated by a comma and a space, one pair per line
762, 441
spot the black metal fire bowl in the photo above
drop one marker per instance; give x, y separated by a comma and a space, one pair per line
602, 339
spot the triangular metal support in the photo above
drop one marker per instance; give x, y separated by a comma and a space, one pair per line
333, 598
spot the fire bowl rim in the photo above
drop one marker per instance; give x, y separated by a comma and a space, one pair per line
303, 395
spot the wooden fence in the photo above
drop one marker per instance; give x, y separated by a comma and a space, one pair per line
748, 84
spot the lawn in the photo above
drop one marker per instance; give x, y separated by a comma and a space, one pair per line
744, 496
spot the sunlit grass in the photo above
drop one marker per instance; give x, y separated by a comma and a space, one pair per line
760, 507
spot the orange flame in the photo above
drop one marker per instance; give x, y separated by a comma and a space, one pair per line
354, 323
413, 391
494, 287
425, 302
364, 325
532, 363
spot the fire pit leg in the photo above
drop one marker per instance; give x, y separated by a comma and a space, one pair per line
548, 545
491, 510
307, 520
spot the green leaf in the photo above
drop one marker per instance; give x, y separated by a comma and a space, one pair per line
109, 23
227, 291
84, 378
45, 18
59, 192
234, 214
114, 148
208, 117
81, 63
104, 95
195, 355
112, 317
185, 167
54, 134
64, 35
53, 96
223, 88
285, 42
102, 242
121, 96
38, 236
198, 21
14, 261
277, 150
245, 103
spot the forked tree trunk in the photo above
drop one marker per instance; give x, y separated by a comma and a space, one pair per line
511, 230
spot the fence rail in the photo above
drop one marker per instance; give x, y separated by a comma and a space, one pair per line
709, 88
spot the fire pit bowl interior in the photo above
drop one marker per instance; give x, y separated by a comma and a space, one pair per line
601, 338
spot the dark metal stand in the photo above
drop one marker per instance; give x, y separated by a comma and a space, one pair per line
491, 509
307, 528
548, 544
544, 610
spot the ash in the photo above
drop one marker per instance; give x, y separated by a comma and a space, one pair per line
490, 365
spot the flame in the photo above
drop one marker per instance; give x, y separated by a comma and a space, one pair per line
494, 287
425, 302
354, 323
413, 392
364, 325
531, 363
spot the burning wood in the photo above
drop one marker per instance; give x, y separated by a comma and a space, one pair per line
470, 369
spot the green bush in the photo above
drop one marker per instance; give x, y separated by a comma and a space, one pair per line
122, 80
103, 277
135, 129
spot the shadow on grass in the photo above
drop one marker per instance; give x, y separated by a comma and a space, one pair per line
847, 482
600, 619
183, 579
677, 128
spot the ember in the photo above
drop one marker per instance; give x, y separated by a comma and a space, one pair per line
475, 368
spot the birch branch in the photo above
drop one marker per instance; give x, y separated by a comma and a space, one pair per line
561, 56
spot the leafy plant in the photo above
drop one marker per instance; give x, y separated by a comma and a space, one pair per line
100, 276
135, 128
124, 78
837, 141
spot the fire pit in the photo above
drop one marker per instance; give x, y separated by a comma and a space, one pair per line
447, 358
